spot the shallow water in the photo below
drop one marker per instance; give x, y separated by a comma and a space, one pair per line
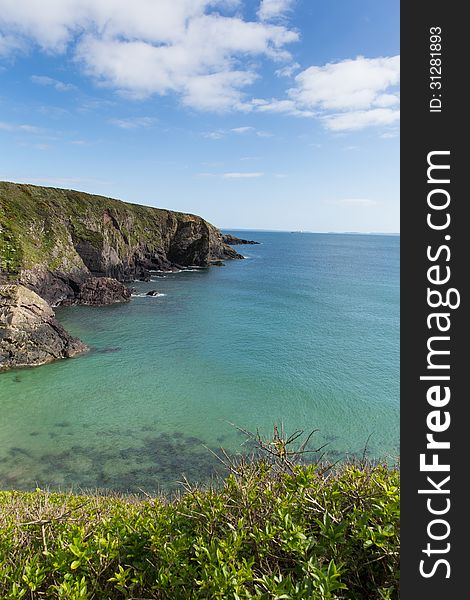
305, 332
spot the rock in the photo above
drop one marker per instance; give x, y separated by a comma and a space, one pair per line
143, 275
30, 335
153, 293
235, 241
98, 291
58, 288
217, 263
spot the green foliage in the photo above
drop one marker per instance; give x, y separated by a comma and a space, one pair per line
265, 534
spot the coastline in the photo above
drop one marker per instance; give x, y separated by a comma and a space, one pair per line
68, 247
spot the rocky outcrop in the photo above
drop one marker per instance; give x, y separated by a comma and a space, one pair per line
30, 335
99, 291
53, 240
236, 241
55, 287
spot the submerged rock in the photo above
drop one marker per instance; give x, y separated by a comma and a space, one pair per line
30, 335
109, 349
98, 291
153, 293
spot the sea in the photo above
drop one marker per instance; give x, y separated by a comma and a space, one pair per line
301, 336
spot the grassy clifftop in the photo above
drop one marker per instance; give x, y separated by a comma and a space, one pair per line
63, 229
52, 240
38, 224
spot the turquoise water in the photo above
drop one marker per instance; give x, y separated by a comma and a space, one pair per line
305, 332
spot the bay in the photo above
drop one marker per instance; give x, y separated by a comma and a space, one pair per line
303, 333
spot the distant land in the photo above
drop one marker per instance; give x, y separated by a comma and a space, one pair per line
316, 232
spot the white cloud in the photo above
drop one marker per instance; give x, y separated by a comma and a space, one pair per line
232, 175
15, 128
202, 51
385, 100
352, 84
214, 135
273, 9
243, 175
133, 122
219, 134
216, 91
388, 135
60, 86
347, 95
288, 107
358, 119
246, 129
147, 47
288, 70
54, 23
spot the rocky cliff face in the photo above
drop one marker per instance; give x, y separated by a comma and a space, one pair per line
30, 335
52, 240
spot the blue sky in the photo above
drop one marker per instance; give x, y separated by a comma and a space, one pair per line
271, 114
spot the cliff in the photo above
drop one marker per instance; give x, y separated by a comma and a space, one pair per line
53, 240
30, 335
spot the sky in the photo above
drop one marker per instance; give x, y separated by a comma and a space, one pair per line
266, 114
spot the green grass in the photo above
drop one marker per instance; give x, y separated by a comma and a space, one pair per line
265, 533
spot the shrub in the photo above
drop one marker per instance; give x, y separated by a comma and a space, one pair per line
267, 533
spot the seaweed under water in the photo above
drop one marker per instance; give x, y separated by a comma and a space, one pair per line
149, 466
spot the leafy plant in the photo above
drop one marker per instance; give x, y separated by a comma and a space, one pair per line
267, 532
